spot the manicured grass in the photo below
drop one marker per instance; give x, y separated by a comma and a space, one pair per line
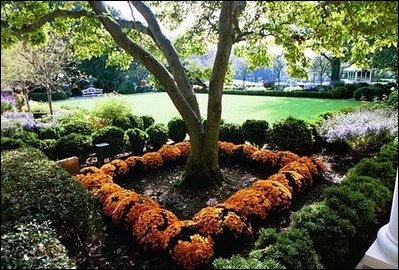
235, 109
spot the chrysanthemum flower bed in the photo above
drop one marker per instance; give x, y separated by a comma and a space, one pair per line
192, 242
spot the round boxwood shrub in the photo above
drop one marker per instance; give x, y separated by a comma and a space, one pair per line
127, 87
393, 99
77, 126
291, 134
73, 145
114, 136
40, 189
48, 147
34, 246
122, 122
342, 92
229, 132
10, 143
370, 92
136, 121
158, 134
148, 121
255, 131
177, 129
29, 138
137, 140
49, 133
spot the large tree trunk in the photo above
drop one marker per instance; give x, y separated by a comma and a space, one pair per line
335, 71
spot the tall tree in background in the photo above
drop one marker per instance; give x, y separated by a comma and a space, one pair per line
278, 68
296, 26
321, 66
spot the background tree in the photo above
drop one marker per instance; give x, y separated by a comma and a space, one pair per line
321, 26
278, 68
321, 66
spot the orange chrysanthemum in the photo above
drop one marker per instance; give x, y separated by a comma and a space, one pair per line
120, 165
89, 169
108, 169
138, 207
106, 190
285, 157
265, 158
243, 152
190, 254
279, 196
279, 177
184, 147
226, 148
169, 153
152, 160
296, 180
94, 181
112, 202
123, 208
302, 168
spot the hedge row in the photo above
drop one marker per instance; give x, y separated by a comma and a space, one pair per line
43, 96
191, 242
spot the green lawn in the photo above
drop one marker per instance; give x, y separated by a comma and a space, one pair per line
235, 108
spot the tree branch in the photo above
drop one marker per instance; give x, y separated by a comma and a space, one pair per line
151, 63
58, 13
135, 25
170, 54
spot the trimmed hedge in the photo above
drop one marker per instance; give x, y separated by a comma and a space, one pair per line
10, 143
304, 94
177, 129
43, 96
255, 132
137, 140
114, 136
73, 145
127, 87
158, 134
230, 132
148, 121
40, 189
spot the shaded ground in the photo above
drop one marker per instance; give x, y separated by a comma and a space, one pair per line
120, 249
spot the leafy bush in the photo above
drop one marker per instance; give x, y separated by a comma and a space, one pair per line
158, 134
238, 262
137, 139
127, 87
34, 246
389, 152
177, 129
342, 92
10, 143
267, 237
77, 126
376, 168
73, 145
143, 88
39, 189
48, 147
29, 138
363, 130
370, 92
5, 106
255, 131
49, 133
111, 107
60, 95
148, 121
393, 99
305, 94
291, 134
114, 136
122, 122
229, 132
136, 121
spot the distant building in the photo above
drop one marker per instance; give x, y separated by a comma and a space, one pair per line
354, 74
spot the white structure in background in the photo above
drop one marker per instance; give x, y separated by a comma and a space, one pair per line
354, 74
91, 91
383, 253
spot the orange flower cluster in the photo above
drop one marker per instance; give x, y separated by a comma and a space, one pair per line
248, 202
265, 158
151, 228
302, 169
89, 169
142, 204
152, 160
196, 251
279, 177
120, 165
214, 221
285, 157
243, 152
184, 148
124, 206
106, 190
169, 153
226, 148
108, 169
94, 181
113, 200
279, 195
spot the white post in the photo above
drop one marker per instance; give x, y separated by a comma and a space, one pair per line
383, 253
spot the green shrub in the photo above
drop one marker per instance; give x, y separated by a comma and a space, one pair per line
114, 136
122, 122
229, 132
291, 134
143, 88
294, 250
393, 99
127, 87
43, 96
370, 92
158, 134
238, 262
274, 93
342, 92
351, 204
148, 121
136, 121
330, 233
10, 143
5, 106
40, 189
33, 246
177, 129
137, 140
48, 147
389, 152
73, 145
29, 138
267, 237
49, 133
77, 126
255, 132
111, 107
379, 169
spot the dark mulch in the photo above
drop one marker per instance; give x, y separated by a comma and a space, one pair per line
120, 249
